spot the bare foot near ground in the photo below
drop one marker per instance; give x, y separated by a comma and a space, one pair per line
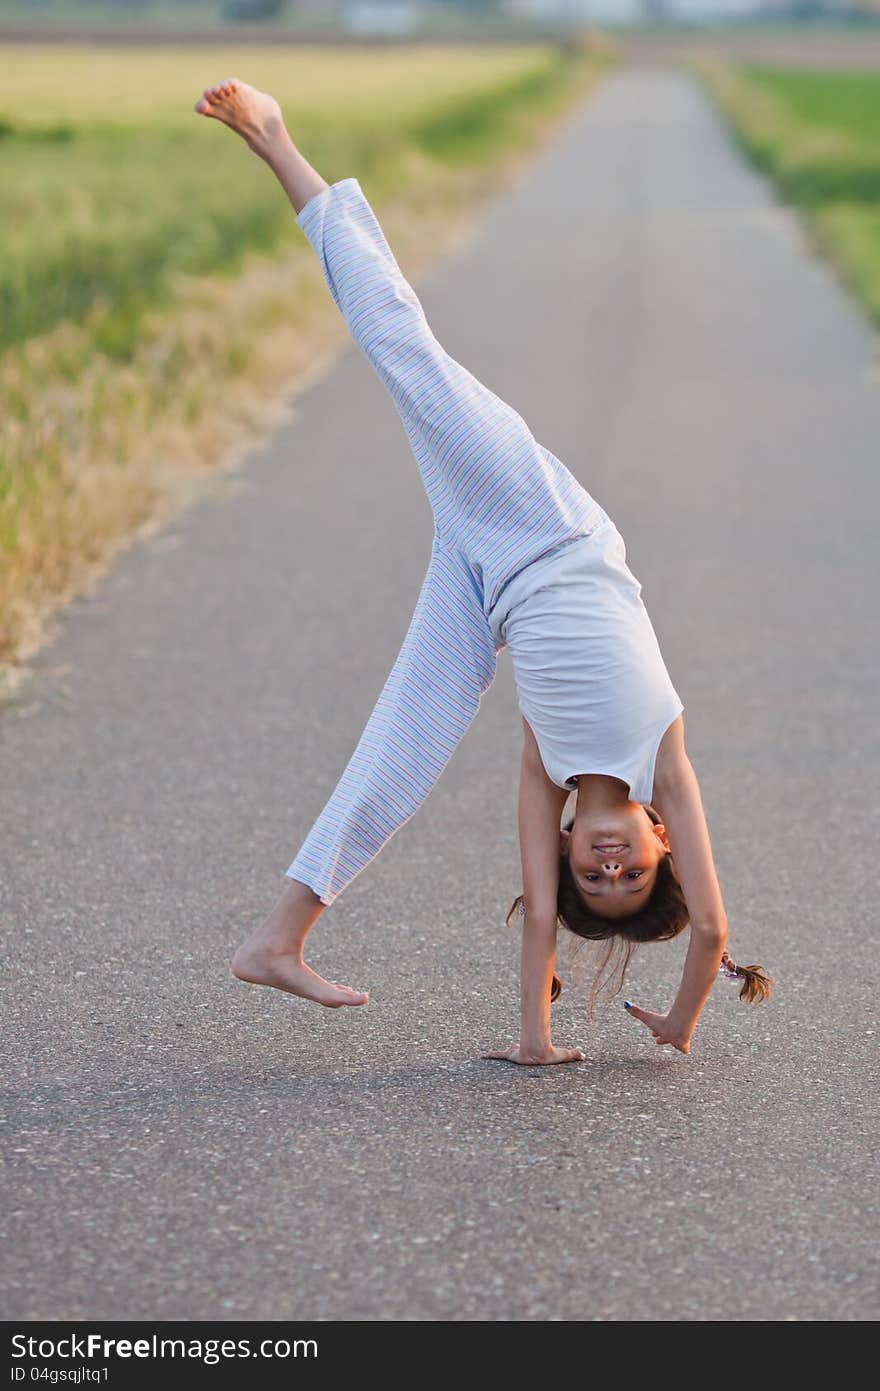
285, 971
254, 115
273, 954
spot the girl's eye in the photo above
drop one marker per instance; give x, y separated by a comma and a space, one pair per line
630, 874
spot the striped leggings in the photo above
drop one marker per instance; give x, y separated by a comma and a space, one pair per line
500, 500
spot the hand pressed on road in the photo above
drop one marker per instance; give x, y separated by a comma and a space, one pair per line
530, 1057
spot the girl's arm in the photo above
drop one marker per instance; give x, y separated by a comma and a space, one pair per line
540, 809
677, 799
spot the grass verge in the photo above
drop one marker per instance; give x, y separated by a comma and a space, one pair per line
816, 135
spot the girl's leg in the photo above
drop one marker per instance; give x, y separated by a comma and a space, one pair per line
257, 118
273, 955
496, 493
446, 663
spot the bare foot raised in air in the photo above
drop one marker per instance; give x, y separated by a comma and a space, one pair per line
290, 973
254, 115
257, 118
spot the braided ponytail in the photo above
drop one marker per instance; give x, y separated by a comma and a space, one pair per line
755, 981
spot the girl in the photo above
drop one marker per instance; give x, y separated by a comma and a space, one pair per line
523, 557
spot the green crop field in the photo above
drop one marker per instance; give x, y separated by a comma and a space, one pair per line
155, 292
817, 136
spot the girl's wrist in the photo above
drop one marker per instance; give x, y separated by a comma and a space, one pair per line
682, 1020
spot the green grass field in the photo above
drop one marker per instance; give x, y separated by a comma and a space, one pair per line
155, 293
817, 136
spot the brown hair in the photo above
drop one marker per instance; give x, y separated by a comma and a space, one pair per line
755, 981
664, 916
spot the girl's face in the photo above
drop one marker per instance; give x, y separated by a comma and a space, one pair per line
613, 857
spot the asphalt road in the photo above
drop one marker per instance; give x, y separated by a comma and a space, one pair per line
184, 1146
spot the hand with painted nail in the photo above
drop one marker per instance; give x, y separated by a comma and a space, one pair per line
665, 1027
536, 1057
